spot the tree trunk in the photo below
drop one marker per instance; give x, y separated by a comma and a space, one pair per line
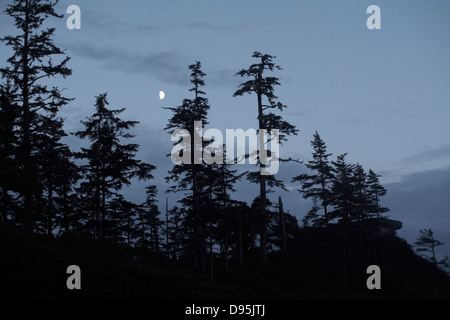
28, 212
226, 247
433, 255
262, 186
156, 235
283, 225
98, 214
325, 209
65, 222
50, 209
103, 206
4, 206
211, 252
167, 227
199, 261
240, 246
345, 270
252, 237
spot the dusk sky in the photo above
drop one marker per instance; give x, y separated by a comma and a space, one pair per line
382, 96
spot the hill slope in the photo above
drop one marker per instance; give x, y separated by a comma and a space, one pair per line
34, 267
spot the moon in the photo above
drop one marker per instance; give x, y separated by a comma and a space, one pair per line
162, 95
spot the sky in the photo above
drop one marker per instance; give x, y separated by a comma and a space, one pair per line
382, 96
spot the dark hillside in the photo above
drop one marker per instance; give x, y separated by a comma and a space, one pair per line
34, 267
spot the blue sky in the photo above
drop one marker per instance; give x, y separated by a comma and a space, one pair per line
382, 96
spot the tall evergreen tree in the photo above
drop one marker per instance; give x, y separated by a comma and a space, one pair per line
149, 223
32, 61
188, 176
58, 174
343, 190
360, 193
222, 180
318, 184
263, 87
120, 226
282, 227
111, 164
176, 233
374, 192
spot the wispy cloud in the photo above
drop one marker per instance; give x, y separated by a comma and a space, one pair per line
420, 200
230, 28
103, 23
429, 155
425, 159
165, 66
223, 78
106, 24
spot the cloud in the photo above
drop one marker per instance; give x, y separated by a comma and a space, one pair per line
223, 78
232, 28
429, 155
115, 23
426, 159
421, 200
102, 23
166, 66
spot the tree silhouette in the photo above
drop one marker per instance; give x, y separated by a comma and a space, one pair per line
317, 185
32, 61
263, 87
149, 223
110, 163
427, 243
221, 181
343, 190
360, 193
176, 233
58, 174
120, 226
374, 192
189, 176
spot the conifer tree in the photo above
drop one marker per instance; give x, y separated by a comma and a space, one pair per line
120, 225
222, 179
176, 233
264, 87
374, 192
58, 174
189, 176
427, 243
360, 193
35, 58
343, 190
149, 223
318, 184
111, 163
